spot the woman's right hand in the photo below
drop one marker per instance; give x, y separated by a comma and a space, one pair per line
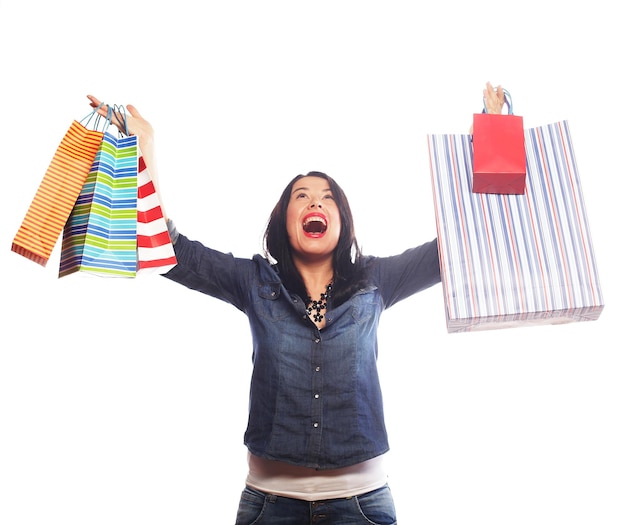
135, 123
138, 126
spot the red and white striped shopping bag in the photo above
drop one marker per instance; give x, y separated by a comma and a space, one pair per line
508, 260
155, 253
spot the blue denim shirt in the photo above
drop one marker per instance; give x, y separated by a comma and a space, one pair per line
315, 397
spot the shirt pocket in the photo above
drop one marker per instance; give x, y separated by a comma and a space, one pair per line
364, 304
271, 303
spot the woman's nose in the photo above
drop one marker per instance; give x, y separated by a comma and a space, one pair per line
316, 204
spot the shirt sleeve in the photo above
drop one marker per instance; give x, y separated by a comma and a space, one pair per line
209, 271
414, 270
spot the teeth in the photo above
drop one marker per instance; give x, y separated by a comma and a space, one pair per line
314, 224
311, 219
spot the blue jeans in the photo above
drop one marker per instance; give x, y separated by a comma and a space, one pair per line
372, 508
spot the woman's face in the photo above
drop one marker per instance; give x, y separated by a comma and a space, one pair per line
313, 219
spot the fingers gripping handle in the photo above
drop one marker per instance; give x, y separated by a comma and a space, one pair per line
507, 100
116, 114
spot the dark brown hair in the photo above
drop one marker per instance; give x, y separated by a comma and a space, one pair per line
348, 267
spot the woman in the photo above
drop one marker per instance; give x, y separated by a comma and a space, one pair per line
316, 433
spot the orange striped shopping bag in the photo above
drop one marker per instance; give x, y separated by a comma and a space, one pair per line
516, 259
58, 191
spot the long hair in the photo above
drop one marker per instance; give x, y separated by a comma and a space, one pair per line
348, 267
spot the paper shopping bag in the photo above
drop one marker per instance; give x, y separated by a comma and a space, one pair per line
155, 252
100, 236
508, 260
58, 191
499, 163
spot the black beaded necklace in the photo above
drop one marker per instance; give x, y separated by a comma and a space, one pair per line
320, 305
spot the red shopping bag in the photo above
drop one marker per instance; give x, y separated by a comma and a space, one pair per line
499, 163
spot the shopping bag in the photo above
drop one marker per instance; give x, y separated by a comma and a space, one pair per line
499, 156
100, 236
58, 191
155, 252
508, 260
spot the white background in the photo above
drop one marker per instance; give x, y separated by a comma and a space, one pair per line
124, 401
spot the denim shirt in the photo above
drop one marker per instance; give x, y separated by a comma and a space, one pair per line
315, 397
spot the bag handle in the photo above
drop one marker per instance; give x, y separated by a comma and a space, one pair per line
122, 123
507, 100
112, 111
98, 118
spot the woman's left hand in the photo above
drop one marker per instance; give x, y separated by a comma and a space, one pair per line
493, 98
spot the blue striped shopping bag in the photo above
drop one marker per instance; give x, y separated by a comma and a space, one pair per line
100, 236
511, 260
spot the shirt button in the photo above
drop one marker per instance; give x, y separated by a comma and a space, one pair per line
273, 294
317, 340
316, 396
316, 424
317, 368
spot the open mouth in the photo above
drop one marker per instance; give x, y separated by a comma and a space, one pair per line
314, 225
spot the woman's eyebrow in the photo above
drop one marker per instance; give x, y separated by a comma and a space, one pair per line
305, 188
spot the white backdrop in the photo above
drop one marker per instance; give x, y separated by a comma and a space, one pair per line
124, 401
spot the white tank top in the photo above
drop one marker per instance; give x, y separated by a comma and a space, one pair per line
283, 479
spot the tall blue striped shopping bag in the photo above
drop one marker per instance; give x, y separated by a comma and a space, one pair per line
511, 260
